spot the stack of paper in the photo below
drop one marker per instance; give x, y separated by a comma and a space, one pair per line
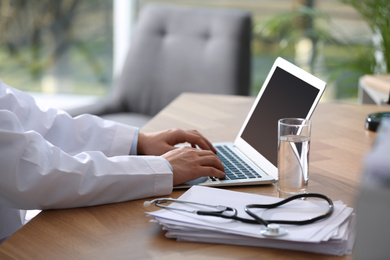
334, 235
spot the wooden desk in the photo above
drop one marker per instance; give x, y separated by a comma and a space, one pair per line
122, 231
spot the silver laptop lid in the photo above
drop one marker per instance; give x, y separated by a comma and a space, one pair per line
288, 91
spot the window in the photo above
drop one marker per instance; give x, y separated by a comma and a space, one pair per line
78, 46
57, 46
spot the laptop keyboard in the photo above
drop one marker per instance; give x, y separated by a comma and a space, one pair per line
235, 167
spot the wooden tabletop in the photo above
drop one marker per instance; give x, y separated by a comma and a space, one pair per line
122, 231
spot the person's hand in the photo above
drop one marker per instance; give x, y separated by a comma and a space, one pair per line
190, 163
161, 142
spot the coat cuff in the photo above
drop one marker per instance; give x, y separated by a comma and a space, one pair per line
163, 181
124, 140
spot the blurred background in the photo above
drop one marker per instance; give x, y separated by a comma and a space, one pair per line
73, 50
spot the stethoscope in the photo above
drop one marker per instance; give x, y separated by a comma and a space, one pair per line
272, 227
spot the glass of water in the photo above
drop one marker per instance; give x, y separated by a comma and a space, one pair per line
293, 155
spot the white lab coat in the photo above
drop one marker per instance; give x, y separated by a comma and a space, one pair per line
51, 160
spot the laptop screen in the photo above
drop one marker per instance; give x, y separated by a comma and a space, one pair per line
285, 96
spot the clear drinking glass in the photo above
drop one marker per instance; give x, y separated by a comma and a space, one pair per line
293, 155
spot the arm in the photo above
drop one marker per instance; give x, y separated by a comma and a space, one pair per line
36, 174
72, 135
50, 160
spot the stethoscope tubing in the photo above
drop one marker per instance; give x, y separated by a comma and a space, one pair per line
221, 210
287, 200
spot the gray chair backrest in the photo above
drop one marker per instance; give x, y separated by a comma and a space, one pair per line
177, 49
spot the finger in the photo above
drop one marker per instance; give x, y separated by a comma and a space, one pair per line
195, 138
207, 158
211, 171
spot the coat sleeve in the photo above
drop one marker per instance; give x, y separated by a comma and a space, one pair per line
50, 160
72, 135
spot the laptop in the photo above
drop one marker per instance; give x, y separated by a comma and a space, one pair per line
288, 91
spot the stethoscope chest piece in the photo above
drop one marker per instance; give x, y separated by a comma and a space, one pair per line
273, 230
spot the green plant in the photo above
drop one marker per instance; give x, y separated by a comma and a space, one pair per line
377, 15
334, 56
287, 29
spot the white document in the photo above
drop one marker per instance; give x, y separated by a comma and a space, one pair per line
332, 232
